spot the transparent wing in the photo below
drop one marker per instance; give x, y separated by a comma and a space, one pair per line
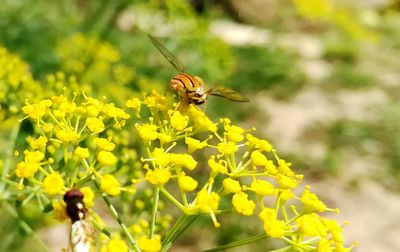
175, 62
227, 93
81, 236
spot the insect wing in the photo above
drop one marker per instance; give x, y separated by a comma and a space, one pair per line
227, 93
175, 62
81, 236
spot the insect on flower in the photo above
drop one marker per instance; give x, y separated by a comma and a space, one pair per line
81, 231
191, 88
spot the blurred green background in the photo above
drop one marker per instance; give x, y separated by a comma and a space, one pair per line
323, 78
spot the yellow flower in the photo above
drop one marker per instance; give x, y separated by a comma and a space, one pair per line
260, 144
59, 212
114, 112
104, 144
242, 204
158, 176
194, 144
273, 227
206, 201
116, 245
219, 167
234, 133
231, 185
311, 201
148, 132
161, 158
227, 148
183, 160
187, 183
178, 121
324, 245
67, 136
36, 110
95, 124
47, 127
106, 158
26, 170
150, 244
258, 158
134, 103
38, 143
53, 184
310, 225
286, 182
110, 185
33, 156
262, 187
81, 153
201, 121
88, 194
335, 229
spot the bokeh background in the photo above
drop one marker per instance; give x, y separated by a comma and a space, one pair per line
323, 78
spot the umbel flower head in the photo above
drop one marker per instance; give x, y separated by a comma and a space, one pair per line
249, 168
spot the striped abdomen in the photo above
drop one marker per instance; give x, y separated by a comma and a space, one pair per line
185, 81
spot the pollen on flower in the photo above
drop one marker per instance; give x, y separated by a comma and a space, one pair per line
116, 245
81, 153
183, 160
37, 110
88, 198
187, 183
178, 121
260, 144
231, 185
106, 158
110, 185
194, 144
262, 187
227, 148
67, 135
243, 205
150, 244
38, 143
148, 132
158, 176
219, 167
95, 124
104, 144
311, 201
310, 225
26, 170
258, 159
272, 226
53, 184
234, 133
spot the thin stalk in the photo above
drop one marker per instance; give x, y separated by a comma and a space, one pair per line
238, 243
156, 197
9, 154
116, 215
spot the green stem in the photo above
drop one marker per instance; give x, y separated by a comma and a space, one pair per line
172, 198
116, 215
180, 226
9, 154
156, 197
238, 243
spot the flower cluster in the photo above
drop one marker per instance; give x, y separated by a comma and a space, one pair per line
96, 64
16, 83
241, 167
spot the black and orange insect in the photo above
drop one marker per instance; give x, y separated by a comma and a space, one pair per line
191, 88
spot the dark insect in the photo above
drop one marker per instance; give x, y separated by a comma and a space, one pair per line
81, 231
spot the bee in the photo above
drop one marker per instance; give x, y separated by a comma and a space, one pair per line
191, 88
81, 231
